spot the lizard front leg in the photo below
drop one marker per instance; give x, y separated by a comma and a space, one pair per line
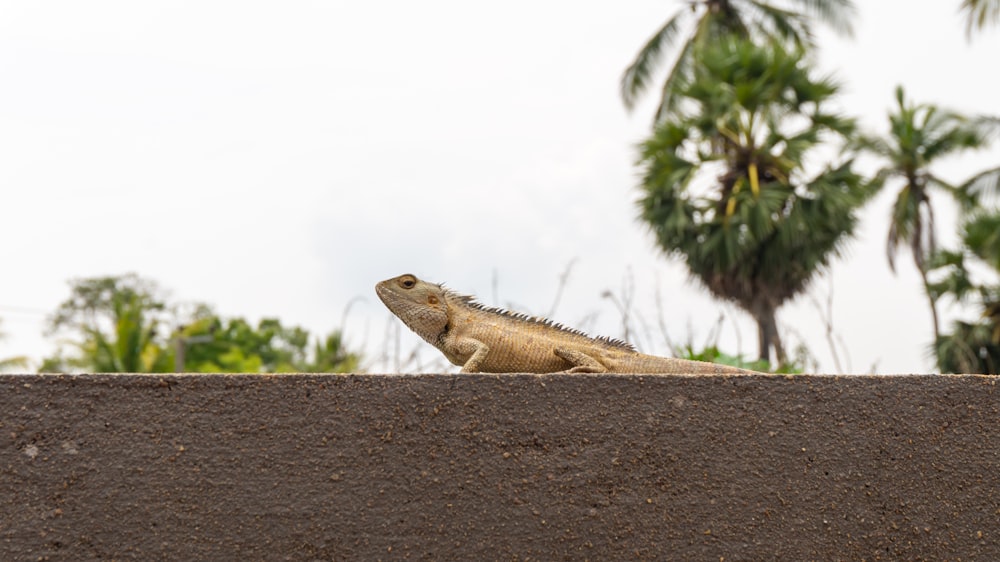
475, 350
582, 363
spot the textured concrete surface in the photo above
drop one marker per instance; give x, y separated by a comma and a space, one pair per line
509, 467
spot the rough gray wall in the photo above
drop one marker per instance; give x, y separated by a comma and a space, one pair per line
512, 467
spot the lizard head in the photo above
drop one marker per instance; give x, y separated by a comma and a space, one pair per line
420, 305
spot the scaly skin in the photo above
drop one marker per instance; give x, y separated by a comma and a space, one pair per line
490, 340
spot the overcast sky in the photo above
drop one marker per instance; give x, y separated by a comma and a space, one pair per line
278, 159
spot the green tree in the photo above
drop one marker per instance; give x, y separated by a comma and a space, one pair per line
210, 344
726, 186
920, 136
331, 356
972, 347
979, 14
707, 21
117, 320
117, 324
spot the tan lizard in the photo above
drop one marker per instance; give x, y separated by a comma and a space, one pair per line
492, 340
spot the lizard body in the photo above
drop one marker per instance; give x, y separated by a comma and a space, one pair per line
492, 340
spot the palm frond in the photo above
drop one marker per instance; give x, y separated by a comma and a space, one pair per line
979, 14
835, 13
635, 79
984, 187
904, 225
783, 24
668, 92
878, 146
981, 234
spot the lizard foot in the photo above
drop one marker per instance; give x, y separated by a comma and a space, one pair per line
582, 363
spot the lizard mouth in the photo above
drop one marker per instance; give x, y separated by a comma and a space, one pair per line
382, 291
389, 297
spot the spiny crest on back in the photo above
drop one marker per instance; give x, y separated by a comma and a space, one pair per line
470, 302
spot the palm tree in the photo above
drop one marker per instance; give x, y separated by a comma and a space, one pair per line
919, 136
131, 347
979, 13
330, 355
705, 21
972, 347
725, 181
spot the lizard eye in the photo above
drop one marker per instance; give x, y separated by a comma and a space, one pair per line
408, 282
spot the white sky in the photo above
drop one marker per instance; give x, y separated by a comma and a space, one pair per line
277, 159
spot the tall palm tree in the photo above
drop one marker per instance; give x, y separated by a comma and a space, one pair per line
979, 13
705, 21
921, 135
726, 186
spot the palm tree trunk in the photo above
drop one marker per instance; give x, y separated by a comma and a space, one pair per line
763, 341
767, 335
779, 347
918, 259
931, 301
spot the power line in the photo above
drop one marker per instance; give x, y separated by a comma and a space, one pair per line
22, 310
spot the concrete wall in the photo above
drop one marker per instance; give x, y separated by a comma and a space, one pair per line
511, 467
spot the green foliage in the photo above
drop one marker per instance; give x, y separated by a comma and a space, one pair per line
785, 23
117, 321
712, 354
330, 356
981, 235
132, 347
92, 300
725, 181
234, 345
116, 325
971, 347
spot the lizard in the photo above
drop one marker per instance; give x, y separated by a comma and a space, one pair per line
483, 339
